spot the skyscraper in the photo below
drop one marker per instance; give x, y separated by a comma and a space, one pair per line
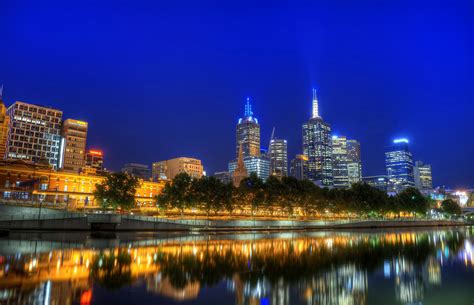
278, 153
340, 162
73, 145
248, 133
299, 167
423, 178
4, 126
399, 165
35, 133
354, 163
317, 147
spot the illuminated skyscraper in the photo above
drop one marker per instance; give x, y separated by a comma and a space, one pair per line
317, 147
278, 153
354, 163
299, 167
340, 162
399, 164
423, 179
248, 133
4, 126
35, 133
73, 145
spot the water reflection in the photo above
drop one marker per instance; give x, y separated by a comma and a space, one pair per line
278, 269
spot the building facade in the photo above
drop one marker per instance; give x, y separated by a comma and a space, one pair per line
340, 162
140, 171
423, 178
28, 182
379, 182
399, 165
224, 177
94, 162
317, 147
34, 134
299, 167
258, 165
278, 153
354, 162
4, 126
168, 169
73, 145
248, 133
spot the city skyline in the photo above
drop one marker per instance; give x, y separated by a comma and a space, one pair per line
139, 117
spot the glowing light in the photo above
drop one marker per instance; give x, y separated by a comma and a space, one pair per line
401, 140
95, 152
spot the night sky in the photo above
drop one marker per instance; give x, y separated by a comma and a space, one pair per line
162, 79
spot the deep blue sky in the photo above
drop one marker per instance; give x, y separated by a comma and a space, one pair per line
161, 79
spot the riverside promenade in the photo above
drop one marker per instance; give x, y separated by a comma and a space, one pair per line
29, 218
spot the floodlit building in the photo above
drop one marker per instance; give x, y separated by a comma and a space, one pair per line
299, 167
4, 126
248, 133
239, 172
317, 147
141, 171
34, 134
168, 169
340, 162
94, 162
278, 153
354, 163
423, 178
73, 145
399, 165
258, 165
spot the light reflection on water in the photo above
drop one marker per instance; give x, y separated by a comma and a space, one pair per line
359, 267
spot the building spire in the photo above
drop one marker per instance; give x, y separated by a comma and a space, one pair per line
315, 105
240, 171
248, 108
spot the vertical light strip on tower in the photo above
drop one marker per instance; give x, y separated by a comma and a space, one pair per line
315, 105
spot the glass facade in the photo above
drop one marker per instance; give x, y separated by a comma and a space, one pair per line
354, 163
299, 167
340, 162
317, 148
423, 178
380, 182
278, 152
399, 165
259, 165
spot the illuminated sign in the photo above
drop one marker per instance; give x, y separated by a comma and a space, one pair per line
78, 123
95, 152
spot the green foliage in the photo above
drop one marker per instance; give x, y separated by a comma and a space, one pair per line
287, 195
117, 190
450, 207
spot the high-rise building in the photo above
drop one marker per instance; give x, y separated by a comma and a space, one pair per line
399, 165
73, 145
248, 133
379, 182
141, 171
423, 178
258, 165
35, 133
299, 167
278, 153
339, 162
168, 169
4, 126
94, 162
317, 147
354, 163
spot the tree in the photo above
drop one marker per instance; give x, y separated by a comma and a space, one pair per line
252, 190
209, 193
177, 194
411, 200
450, 207
117, 190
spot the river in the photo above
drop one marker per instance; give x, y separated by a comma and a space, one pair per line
403, 266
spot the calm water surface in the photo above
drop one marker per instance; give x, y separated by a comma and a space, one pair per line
357, 267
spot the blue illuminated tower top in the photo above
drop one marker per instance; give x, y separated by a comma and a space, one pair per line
248, 108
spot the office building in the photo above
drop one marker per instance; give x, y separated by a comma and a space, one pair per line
423, 178
379, 182
354, 163
299, 167
35, 133
317, 147
399, 165
94, 162
224, 177
258, 165
168, 169
278, 153
140, 171
339, 162
248, 133
73, 145
4, 126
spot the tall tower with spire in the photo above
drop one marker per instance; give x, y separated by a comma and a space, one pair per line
4, 126
248, 133
317, 147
